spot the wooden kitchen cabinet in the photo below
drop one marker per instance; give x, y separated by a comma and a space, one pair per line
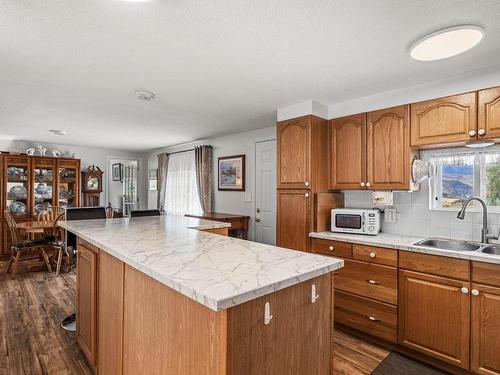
348, 152
388, 153
86, 313
434, 316
302, 153
444, 121
488, 120
485, 343
293, 219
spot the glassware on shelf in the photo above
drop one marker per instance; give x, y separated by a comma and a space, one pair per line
67, 187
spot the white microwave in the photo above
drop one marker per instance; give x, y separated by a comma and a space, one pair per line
354, 220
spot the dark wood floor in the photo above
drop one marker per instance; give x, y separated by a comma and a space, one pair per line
32, 305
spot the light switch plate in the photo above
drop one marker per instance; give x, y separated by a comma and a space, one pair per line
248, 196
390, 215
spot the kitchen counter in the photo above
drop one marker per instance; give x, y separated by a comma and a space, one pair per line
405, 243
216, 271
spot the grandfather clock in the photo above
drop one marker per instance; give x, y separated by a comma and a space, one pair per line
91, 186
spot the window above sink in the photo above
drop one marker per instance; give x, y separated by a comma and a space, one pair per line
460, 174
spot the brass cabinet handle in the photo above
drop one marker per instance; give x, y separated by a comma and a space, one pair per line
373, 319
373, 282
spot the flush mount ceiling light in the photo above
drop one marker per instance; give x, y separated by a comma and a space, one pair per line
446, 43
145, 95
479, 144
57, 131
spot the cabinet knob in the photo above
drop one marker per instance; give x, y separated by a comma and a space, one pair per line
472, 133
372, 255
331, 248
306, 183
464, 290
474, 292
306, 195
362, 184
267, 314
314, 296
481, 132
368, 184
373, 319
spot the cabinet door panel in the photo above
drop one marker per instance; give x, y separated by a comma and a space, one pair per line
444, 120
86, 313
434, 316
485, 327
293, 219
293, 153
348, 152
489, 113
388, 148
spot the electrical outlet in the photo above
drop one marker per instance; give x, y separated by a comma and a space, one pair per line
390, 215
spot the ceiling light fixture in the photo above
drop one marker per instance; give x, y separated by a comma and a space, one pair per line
145, 95
57, 131
446, 43
479, 144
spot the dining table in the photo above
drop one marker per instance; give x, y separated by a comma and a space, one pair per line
35, 226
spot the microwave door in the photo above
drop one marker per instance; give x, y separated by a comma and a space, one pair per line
351, 222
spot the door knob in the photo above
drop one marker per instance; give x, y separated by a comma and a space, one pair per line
257, 220
258, 210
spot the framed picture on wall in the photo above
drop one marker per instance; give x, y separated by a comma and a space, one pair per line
231, 173
116, 171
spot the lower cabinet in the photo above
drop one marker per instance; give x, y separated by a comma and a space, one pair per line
86, 312
485, 329
293, 219
434, 316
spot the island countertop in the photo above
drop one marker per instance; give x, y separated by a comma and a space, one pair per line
216, 271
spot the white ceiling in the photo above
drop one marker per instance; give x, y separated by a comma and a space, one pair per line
216, 66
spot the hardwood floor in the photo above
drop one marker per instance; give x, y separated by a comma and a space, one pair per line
32, 341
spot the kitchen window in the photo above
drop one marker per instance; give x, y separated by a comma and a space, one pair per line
458, 176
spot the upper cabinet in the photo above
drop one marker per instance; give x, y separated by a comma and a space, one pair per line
444, 121
489, 113
301, 148
348, 152
388, 149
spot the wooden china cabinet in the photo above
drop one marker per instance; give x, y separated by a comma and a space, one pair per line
30, 184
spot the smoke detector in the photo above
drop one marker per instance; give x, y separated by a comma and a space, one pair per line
145, 95
57, 131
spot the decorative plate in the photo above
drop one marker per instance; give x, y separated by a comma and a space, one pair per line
18, 208
18, 192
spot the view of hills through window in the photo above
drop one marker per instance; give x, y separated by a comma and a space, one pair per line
458, 184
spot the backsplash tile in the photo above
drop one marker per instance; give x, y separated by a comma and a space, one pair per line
414, 217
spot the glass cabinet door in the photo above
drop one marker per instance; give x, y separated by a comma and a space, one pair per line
68, 186
17, 186
43, 185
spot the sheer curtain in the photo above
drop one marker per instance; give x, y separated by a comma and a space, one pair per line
181, 193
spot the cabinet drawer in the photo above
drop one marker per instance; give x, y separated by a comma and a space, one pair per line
486, 273
435, 265
334, 248
375, 318
368, 280
377, 255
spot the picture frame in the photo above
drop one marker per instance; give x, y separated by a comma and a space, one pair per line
116, 172
231, 173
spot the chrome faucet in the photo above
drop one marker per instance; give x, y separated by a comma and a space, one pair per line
484, 230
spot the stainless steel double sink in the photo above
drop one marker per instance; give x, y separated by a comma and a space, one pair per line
454, 245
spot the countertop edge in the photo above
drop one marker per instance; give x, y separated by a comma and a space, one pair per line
406, 245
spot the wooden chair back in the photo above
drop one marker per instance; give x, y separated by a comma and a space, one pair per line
50, 214
109, 211
57, 231
13, 229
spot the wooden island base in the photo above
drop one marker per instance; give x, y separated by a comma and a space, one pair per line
129, 323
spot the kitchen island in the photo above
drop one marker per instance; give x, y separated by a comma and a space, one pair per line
163, 295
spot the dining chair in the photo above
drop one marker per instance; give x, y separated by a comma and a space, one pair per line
20, 244
142, 213
109, 211
59, 243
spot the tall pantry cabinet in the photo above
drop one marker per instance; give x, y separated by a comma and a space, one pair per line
302, 170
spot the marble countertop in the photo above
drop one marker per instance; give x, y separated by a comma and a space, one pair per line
217, 271
405, 243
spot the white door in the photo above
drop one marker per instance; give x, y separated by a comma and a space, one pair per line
265, 192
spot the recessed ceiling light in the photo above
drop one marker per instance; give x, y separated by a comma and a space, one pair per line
57, 131
447, 42
145, 95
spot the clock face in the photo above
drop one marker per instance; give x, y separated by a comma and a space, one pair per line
93, 183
